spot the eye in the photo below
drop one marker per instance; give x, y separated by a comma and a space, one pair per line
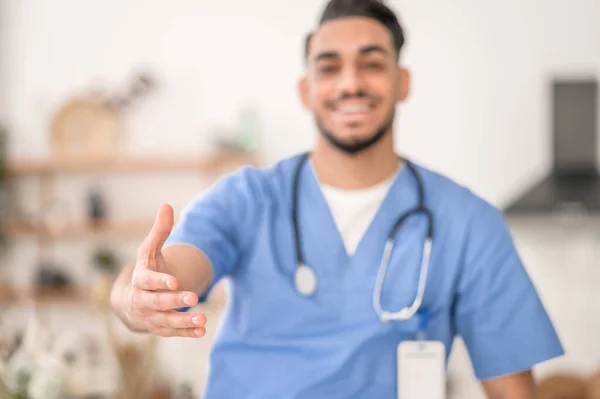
327, 69
375, 66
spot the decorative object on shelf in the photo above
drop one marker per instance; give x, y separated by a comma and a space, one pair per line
91, 124
89, 370
52, 365
11, 336
249, 127
11, 339
136, 364
96, 207
142, 85
48, 275
244, 137
47, 379
32, 371
20, 369
86, 126
106, 266
3, 153
3, 186
106, 261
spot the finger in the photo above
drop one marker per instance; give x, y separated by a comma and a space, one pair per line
180, 332
164, 300
177, 320
163, 225
146, 279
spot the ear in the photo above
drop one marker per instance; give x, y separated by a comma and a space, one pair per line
403, 84
303, 92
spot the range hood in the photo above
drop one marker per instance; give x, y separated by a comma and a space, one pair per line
574, 181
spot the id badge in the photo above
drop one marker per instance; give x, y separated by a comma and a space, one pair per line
421, 370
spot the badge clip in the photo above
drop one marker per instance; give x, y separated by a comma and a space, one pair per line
424, 318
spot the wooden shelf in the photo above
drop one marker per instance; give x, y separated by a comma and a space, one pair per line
12, 296
134, 164
44, 295
74, 230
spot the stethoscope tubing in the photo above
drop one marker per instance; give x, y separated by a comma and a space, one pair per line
406, 312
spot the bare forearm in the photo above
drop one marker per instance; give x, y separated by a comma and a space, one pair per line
189, 266
515, 386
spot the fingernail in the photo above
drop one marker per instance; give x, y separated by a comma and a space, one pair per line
197, 332
169, 283
196, 320
186, 300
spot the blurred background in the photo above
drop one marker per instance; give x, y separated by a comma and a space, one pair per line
110, 108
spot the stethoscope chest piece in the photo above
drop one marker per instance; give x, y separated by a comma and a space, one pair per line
305, 280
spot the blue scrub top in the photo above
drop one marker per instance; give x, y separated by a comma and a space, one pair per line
275, 343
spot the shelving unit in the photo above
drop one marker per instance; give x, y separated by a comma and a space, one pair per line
207, 164
80, 229
81, 296
46, 169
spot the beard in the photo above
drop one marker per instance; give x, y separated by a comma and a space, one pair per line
358, 145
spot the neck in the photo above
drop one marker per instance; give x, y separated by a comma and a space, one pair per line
355, 171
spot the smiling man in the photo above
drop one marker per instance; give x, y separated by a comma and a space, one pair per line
349, 117
341, 258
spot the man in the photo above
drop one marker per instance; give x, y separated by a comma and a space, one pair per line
325, 335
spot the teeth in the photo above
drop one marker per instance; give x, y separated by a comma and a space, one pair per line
349, 109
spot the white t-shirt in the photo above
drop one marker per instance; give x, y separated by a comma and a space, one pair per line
354, 210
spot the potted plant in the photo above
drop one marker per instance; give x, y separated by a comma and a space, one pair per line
106, 265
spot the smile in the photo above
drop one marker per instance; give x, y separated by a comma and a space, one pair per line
353, 112
354, 109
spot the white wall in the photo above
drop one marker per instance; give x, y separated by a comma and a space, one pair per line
482, 85
480, 74
479, 110
4, 32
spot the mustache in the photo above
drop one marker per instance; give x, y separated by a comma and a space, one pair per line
360, 95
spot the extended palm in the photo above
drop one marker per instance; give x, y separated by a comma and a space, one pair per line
153, 296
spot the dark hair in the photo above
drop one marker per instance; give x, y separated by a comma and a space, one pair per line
375, 9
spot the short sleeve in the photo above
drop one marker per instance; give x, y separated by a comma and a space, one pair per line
216, 222
498, 311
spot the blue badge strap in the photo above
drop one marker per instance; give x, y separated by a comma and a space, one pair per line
424, 318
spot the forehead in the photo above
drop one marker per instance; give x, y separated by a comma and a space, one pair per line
348, 35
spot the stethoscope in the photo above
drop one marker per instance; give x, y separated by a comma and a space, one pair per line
305, 278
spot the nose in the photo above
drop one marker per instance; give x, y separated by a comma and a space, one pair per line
350, 81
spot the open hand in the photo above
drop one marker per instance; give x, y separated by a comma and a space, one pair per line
153, 296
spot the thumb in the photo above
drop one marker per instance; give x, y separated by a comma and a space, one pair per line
163, 225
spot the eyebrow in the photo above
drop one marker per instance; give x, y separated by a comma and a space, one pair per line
373, 48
